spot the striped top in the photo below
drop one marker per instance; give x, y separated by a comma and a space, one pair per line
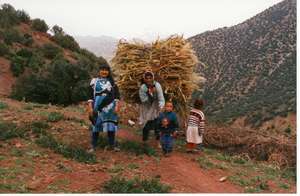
197, 119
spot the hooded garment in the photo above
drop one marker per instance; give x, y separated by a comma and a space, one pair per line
151, 104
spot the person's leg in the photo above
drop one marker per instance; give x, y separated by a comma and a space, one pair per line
95, 136
148, 126
111, 138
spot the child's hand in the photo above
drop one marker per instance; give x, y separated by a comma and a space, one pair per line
174, 134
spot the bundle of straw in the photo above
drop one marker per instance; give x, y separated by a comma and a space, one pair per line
171, 60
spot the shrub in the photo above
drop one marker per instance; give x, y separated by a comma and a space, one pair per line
3, 105
66, 41
28, 40
50, 51
61, 83
23, 16
4, 50
35, 62
10, 130
55, 117
12, 35
8, 16
18, 64
39, 25
57, 30
122, 185
24, 53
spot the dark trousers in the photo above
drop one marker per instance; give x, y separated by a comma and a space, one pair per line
110, 136
166, 143
150, 125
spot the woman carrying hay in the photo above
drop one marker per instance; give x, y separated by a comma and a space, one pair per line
153, 101
103, 107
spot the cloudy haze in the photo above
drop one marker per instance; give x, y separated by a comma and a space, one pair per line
144, 19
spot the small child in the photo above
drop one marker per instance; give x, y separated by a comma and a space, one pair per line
167, 134
195, 129
168, 130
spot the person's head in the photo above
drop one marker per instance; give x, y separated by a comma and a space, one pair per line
169, 106
148, 77
104, 71
198, 104
164, 122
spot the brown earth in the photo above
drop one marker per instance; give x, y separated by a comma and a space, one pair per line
6, 77
53, 173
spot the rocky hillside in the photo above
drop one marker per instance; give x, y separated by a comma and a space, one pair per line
251, 67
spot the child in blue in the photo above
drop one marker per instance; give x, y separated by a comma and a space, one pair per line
167, 126
103, 106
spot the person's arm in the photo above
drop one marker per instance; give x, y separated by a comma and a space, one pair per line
201, 124
175, 123
160, 96
143, 94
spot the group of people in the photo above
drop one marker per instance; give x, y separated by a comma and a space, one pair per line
155, 113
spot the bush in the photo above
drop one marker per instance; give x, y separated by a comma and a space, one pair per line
35, 62
28, 40
8, 16
57, 30
3, 106
39, 25
12, 35
61, 83
23, 16
17, 66
66, 41
50, 51
121, 185
25, 53
4, 50
55, 117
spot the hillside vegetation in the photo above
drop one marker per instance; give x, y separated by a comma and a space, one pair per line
48, 68
251, 67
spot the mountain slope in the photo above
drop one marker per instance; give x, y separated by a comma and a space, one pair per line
251, 67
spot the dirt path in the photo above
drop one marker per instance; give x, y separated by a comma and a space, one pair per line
182, 172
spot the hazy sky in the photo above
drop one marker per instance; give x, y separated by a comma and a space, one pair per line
144, 19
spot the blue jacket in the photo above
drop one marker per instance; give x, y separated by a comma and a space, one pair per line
171, 116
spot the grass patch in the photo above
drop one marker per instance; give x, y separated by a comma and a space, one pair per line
283, 186
116, 169
205, 163
133, 166
28, 107
71, 152
38, 127
136, 185
3, 105
55, 117
16, 188
10, 130
137, 148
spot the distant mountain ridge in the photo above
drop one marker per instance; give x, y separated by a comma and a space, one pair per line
100, 45
251, 67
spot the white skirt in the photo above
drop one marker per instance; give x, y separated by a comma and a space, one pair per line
192, 135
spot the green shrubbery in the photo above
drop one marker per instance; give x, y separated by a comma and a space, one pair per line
4, 49
18, 65
50, 51
39, 25
136, 185
62, 83
66, 41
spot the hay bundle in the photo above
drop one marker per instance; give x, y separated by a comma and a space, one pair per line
281, 151
172, 61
